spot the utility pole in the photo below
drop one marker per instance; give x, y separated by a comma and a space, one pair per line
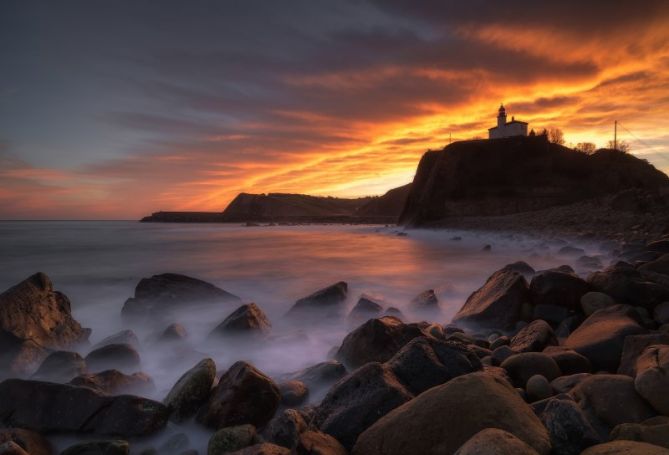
615, 135
449, 138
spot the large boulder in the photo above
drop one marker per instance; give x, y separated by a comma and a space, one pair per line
653, 431
230, 439
627, 285
33, 319
443, 418
568, 427
103, 447
601, 336
652, 377
248, 319
320, 375
497, 304
60, 366
60, 408
243, 395
493, 441
569, 361
625, 448
633, 347
593, 301
377, 340
367, 307
122, 357
521, 367
534, 337
157, 296
359, 400
114, 382
31, 442
285, 429
328, 301
191, 391
554, 287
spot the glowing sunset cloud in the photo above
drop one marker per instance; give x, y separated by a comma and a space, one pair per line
119, 110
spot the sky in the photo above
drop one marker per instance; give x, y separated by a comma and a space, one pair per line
116, 109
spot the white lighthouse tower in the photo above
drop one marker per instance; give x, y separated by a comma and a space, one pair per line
507, 129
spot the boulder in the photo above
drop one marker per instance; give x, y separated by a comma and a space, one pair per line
191, 391
521, 267
601, 336
320, 375
534, 337
443, 418
367, 307
357, 401
538, 388
569, 361
594, 395
625, 448
377, 340
230, 439
158, 296
493, 441
60, 366
31, 442
248, 319
285, 429
625, 284
243, 395
110, 447
558, 288
60, 408
293, 393
652, 378
114, 382
33, 319
426, 300
262, 449
593, 301
634, 345
173, 333
324, 302
122, 337
521, 367
564, 384
569, 429
653, 431
393, 311
553, 314
317, 443
500, 354
424, 363
122, 357
497, 304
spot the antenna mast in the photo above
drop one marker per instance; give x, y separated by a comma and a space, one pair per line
615, 135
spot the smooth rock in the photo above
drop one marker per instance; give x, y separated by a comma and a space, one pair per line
493, 441
367, 307
230, 439
173, 333
625, 448
248, 319
317, 443
191, 391
534, 337
538, 388
122, 357
521, 367
557, 288
500, 354
328, 301
564, 384
60, 366
625, 284
293, 393
653, 431
320, 375
123, 337
652, 377
114, 382
593, 301
31, 442
634, 345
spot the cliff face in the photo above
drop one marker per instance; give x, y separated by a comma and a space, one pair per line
512, 175
390, 204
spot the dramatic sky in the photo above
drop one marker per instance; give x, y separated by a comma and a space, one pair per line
115, 109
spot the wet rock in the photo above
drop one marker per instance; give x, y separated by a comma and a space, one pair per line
122, 357
50, 407
625, 448
652, 377
317, 443
564, 384
426, 300
114, 382
569, 361
424, 363
367, 307
534, 337
285, 429
60, 366
538, 388
191, 391
157, 296
173, 333
320, 375
230, 439
243, 395
521, 367
328, 301
634, 345
625, 284
521, 267
359, 400
497, 304
557, 288
31, 442
569, 429
443, 418
293, 393
248, 319
601, 337
111, 447
500, 354
122, 337
653, 431
494, 441
33, 319
594, 395
262, 449
377, 340
593, 301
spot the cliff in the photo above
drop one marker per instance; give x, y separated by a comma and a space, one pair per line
513, 175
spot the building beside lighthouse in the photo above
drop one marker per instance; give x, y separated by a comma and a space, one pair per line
507, 129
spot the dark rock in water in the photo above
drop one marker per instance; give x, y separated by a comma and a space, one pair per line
262, 449
60, 366
327, 301
113, 382
173, 332
424, 363
595, 395
634, 345
111, 447
122, 337
30, 442
569, 361
285, 428
158, 295
534, 337
652, 378
243, 395
523, 366
320, 375
59, 408
627, 285
558, 288
601, 337
293, 393
122, 357
625, 448
502, 442
230, 439
248, 319
366, 308
426, 300
568, 427
497, 304
443, 418
316, 443
33, 319
359, 400
377, 340
191, 391
652, 431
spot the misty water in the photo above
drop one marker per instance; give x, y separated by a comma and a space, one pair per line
98, 264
